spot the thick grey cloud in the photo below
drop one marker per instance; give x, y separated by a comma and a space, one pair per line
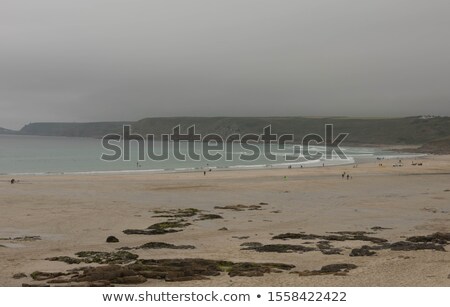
89, 60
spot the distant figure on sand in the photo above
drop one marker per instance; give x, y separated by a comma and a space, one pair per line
13, 181
348, 176
204, 173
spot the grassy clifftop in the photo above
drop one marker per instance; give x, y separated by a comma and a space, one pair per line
410, 130
389, 131
96, 130
7, 131
440, 146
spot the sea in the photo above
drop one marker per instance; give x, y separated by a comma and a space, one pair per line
41, 155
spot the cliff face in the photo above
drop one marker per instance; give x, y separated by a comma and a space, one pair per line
389, 131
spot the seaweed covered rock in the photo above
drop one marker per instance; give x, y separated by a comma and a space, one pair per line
170, 270
115, 274
119, 257
249, 269
168, 225
159, 228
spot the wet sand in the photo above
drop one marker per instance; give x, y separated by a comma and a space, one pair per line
72, 213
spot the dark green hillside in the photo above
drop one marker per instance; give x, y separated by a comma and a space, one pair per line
362, 131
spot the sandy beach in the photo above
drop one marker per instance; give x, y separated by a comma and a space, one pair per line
59, 215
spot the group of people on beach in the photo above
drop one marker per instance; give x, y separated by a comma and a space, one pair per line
344, 174
400, 164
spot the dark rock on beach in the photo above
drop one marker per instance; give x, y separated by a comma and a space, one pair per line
327, 249
378, 228
240, 238
335, 236
112, 274
255, 269
120, 257
209, 217
361, 252
240, 207
39, 276
411, 246
170, 270
19, 275
190, 269
438, 237
168, 225
280, 248
112, 239
177, 213
159, 228
66, 259
24, 238
252, 244
289, 235
332, 269
162, 245
354, 236
150, 232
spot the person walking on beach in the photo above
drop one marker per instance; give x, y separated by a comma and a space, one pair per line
348, 176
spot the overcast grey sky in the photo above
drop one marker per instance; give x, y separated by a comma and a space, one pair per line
99, 60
